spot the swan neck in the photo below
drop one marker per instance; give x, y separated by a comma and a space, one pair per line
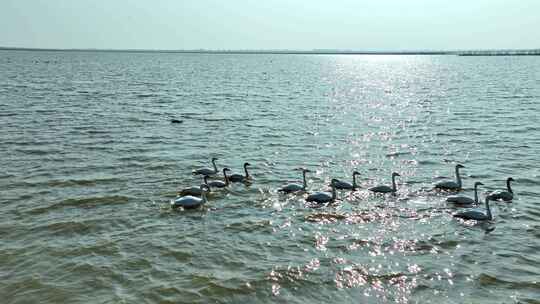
508, 186
246, 171
354, 186
226, 178
215, 167
490, 217
334, 195
304, 183
476, 194
458, 177
394, 187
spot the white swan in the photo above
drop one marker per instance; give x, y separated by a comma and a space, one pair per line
193, 191
220, 184
324, 197
191, 202
506, 196
290, 188
207, 171
238, 178
465, 200
342, 185
451, 185
476, 214
385, 188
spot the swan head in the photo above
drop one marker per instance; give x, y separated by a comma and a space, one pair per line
226, 170
395, 174
333, 181
304, 170
458, 166
214, 159
478, 184
247, 164
510, 179
356, 173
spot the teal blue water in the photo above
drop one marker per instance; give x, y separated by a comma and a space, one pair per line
91, 162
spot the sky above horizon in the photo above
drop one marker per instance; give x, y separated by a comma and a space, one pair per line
273, 24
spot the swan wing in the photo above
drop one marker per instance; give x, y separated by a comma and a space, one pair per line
381, 189
341, 185
193, 191
472, 215
319, 197
447, 185
187, 201
291, 188
205, 171
501, 195
460, 199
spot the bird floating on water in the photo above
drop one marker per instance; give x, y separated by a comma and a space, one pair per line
342, 185
191, 202
506, 196
324, 197
218, 183
451, 185
238, 178
465, 200
290, 188
385, 188
207, 171
476, 214
194, 191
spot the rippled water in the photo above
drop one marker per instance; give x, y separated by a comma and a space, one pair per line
91, 162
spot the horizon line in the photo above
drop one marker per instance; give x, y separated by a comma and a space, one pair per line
291, 51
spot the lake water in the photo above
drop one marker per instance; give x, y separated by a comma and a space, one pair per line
91, 162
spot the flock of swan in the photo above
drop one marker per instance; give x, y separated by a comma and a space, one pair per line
195, 197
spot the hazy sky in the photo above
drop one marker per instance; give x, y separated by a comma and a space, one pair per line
271, 24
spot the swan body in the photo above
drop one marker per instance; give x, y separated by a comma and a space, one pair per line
385, 188
506, 196
207, 171
342, 185
465, 200
220, 184
476, 214
194, 191
290, 188
191, 202
451, 185
239, 178
323, 197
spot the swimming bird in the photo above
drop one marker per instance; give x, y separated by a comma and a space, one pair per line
342, 185
506, 196
324, 197
194, 191
465, 200
220, 184
207, 171
191, 202
290, 188
451, 185
238, 178
476, 214
385, 188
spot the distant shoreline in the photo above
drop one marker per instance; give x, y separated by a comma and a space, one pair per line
528, 52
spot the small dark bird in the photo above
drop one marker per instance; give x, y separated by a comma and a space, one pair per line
176, 121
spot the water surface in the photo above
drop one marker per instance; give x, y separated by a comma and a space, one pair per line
91, 162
